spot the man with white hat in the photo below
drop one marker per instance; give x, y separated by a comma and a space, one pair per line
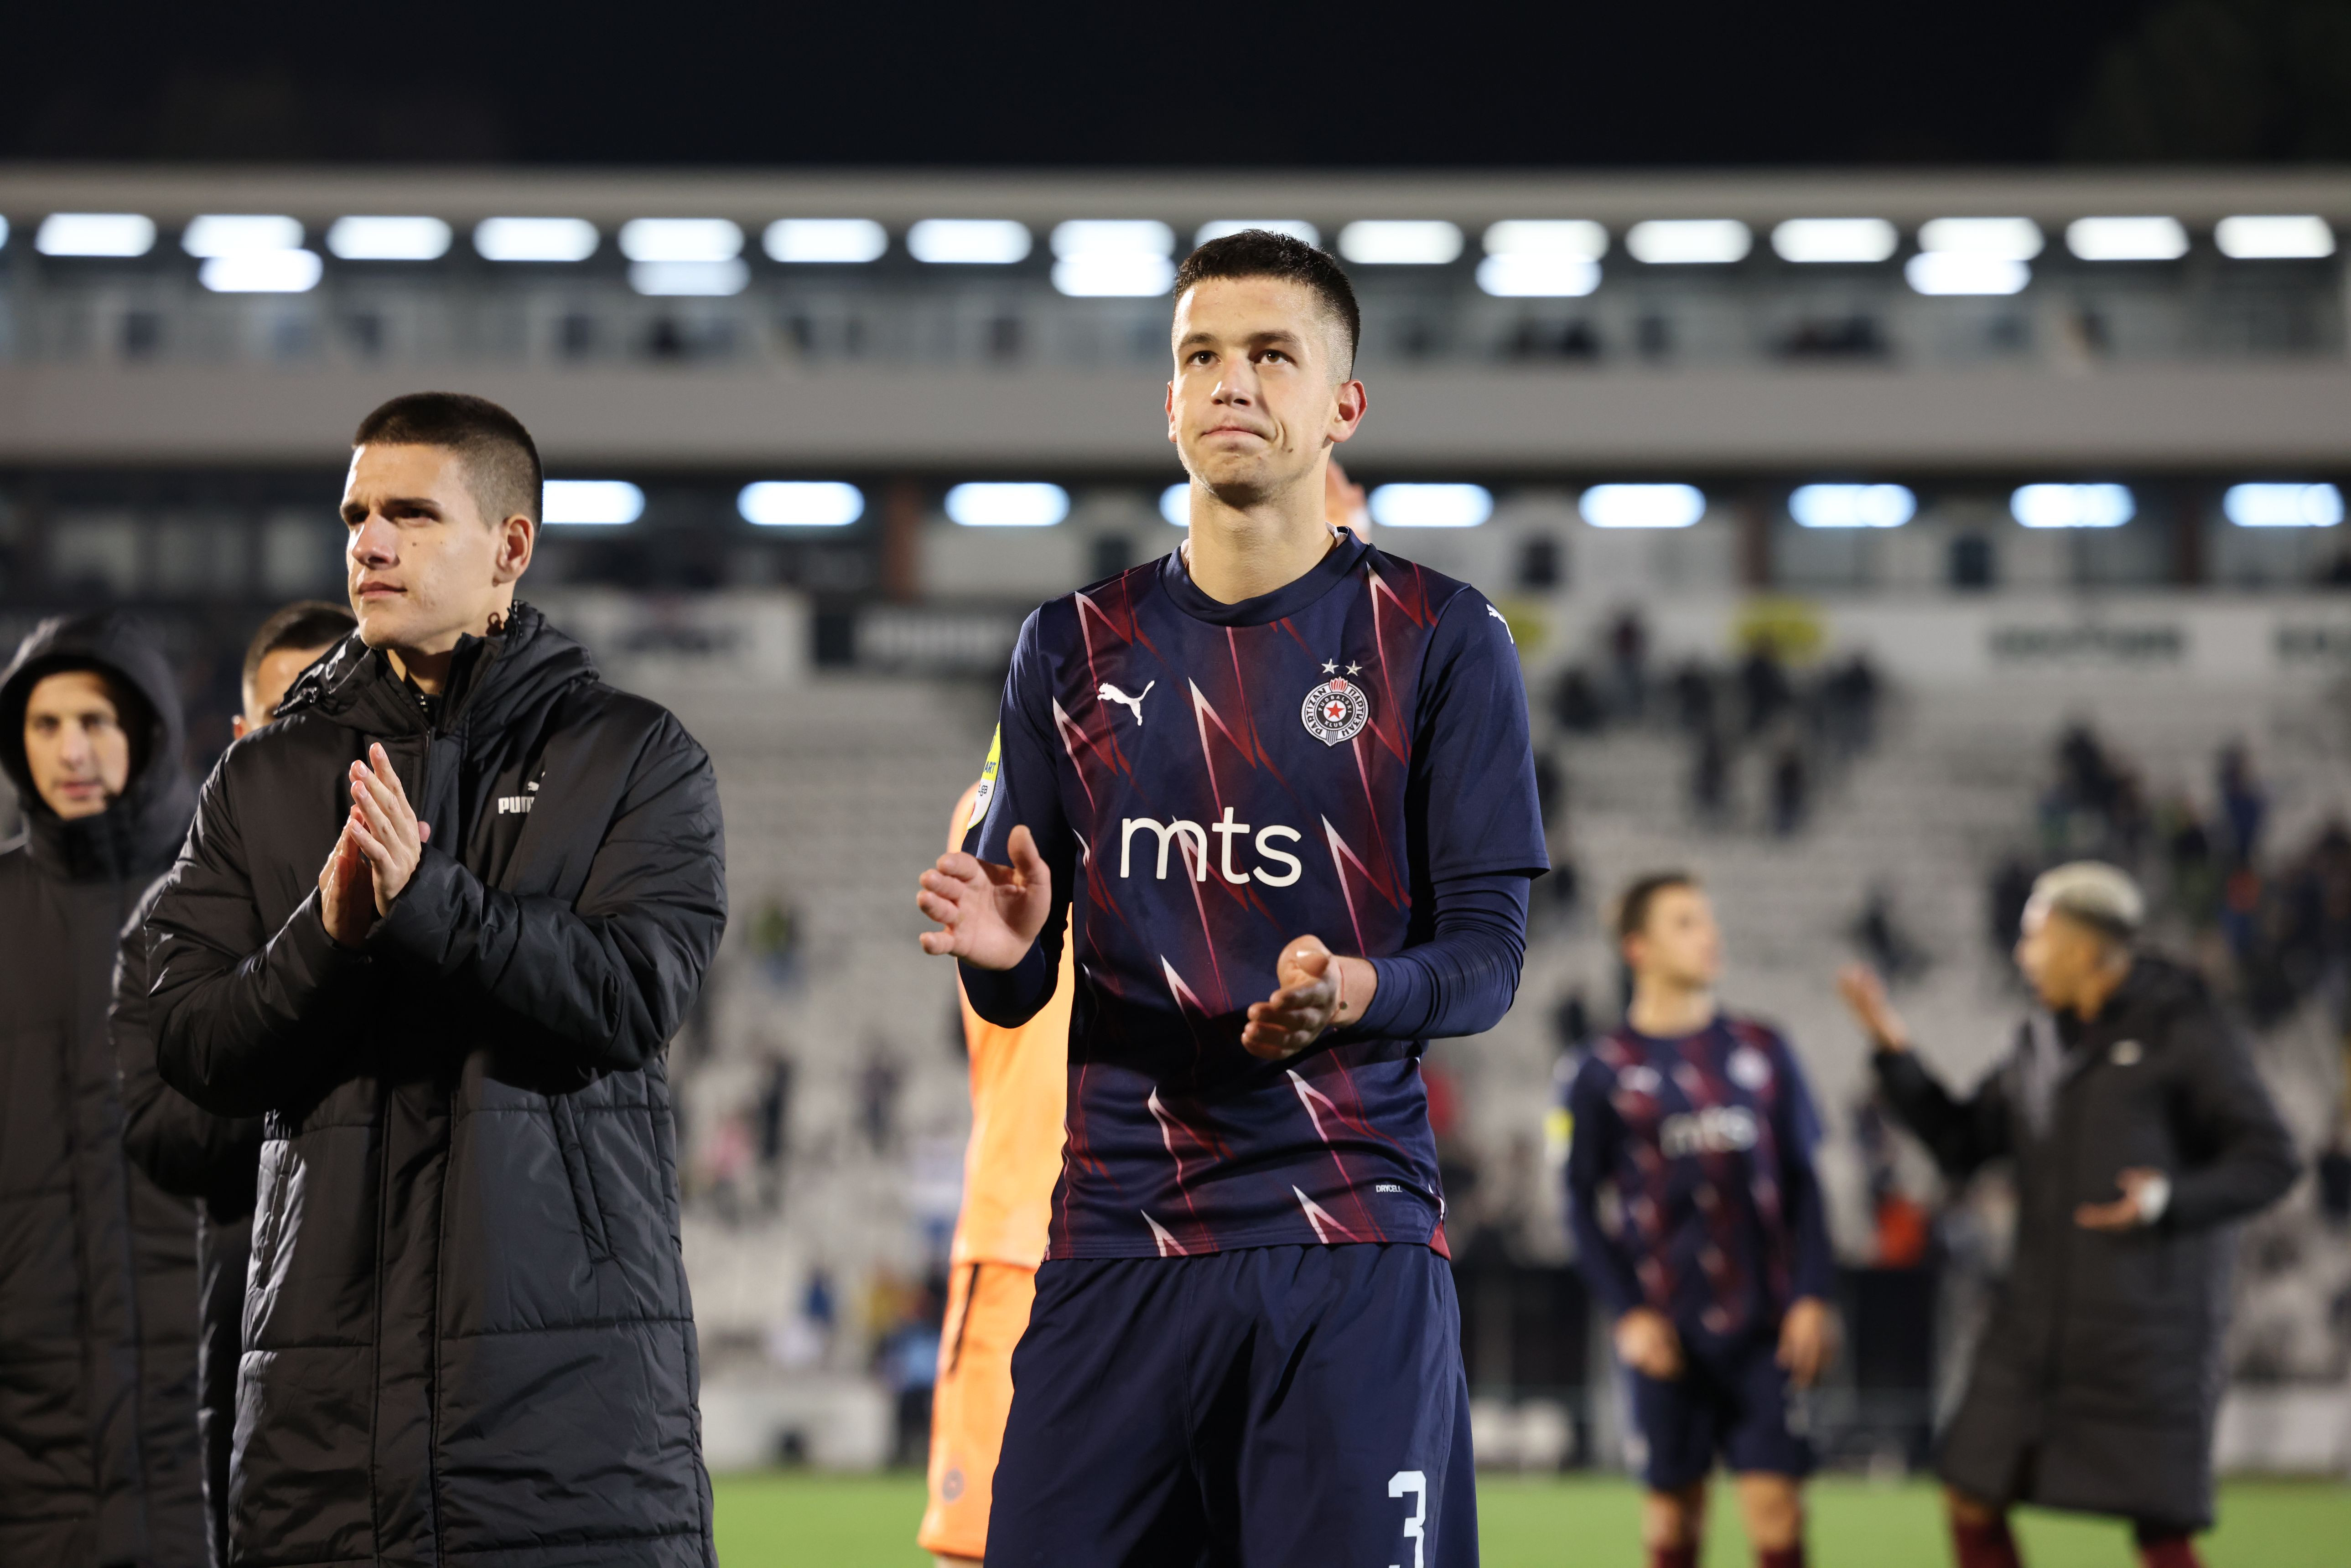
2138, 1131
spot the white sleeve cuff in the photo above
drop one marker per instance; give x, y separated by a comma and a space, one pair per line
2154, 1197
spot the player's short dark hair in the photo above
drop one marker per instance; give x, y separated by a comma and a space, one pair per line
502, 465
305, 623
1634, 903
1262, 253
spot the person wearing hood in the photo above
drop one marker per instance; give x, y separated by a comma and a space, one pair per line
187, 1150
435, 926
2138, 1133
97, 1268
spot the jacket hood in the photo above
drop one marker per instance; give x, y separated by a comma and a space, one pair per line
491, 680
2156, 981
141, 830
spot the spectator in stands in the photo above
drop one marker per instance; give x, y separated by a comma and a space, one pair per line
2095, 806
1628, 661
1849, 705
2137, 1131
2244, 804
2326, 873
1571, 1020
878, 1083
1763, 687
1883, 945
1901, 1227
775, 938
1574, 707
1550, 791
1791, 790
2011, 887
774, 1128
2194, 869
1693, 692
1710, 777
906, 1355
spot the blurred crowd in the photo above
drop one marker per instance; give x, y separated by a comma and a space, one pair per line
2269, 923
1754, 717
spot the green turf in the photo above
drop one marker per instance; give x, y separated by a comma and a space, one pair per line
801, 1520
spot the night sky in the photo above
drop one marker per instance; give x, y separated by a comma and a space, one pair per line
1655, 84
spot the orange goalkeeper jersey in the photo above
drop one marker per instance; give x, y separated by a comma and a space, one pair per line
1020, 1081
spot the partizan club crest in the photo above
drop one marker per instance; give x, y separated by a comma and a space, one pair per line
1336, 711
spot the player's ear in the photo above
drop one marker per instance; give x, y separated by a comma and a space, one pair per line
516, 535
1171, 411
1347, 408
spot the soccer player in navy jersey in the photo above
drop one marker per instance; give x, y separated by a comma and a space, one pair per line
1280, 780
1699, 1228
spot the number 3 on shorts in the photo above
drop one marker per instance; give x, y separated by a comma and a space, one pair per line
1415, 1482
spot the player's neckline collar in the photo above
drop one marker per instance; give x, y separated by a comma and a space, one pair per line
1288, 600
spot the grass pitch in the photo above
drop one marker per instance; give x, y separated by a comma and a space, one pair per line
803, 1521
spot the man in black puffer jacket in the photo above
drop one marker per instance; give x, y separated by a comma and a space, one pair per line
97, 1268
2138, 1133
436, 926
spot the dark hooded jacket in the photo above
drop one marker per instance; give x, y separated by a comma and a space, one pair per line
97, 1269
2098, 1377
468, 1337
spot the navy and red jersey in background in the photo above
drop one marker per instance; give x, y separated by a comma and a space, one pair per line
1689, 1178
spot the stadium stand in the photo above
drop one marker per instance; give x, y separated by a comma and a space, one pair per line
171, 430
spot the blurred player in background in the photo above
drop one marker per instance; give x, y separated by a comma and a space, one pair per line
287, 644
2138, 1132
1699, 1226
1245, 1341
1018, 1079
192, 1153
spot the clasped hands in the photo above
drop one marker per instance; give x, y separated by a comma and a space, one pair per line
381, 842
988, 915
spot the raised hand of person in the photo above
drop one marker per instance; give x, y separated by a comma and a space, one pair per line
385, 827
2145, 1194
1646, 1343
1808, 1338
1864, 993
988, 915
346, 898
1316, 990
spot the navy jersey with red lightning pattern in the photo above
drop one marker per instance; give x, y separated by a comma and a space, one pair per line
1208, 782
1705, 1144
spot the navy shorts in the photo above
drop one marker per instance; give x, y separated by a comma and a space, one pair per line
1730, 1401
1271, 1405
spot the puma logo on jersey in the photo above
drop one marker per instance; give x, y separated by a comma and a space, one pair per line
1110, 694
1505, 620
517, 805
